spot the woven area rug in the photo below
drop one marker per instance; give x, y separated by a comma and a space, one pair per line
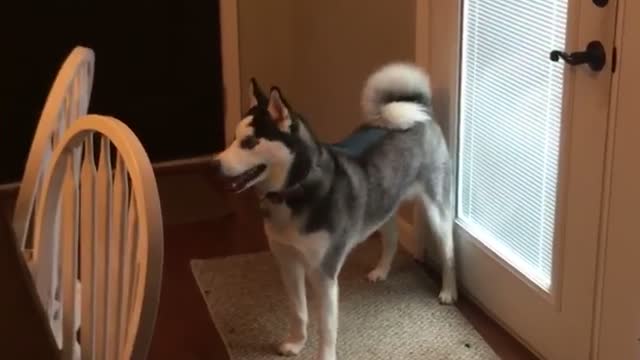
399, 318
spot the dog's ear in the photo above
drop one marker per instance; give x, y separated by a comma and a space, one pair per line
256, 95
278, 107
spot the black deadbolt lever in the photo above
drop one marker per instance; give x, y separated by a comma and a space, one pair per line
594, 56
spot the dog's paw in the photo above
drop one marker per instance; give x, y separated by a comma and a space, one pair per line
378, 274
290, 348
448, 296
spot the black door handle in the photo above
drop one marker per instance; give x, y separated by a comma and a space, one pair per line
594, 56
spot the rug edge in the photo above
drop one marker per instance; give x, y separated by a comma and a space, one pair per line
199, 263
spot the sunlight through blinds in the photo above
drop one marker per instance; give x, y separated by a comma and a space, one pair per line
511, 108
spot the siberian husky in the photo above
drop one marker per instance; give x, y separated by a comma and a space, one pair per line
321, 200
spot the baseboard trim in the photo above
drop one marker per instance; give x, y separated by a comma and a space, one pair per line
161, 167
181, 164
9, 186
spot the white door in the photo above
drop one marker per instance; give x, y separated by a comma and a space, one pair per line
529, 136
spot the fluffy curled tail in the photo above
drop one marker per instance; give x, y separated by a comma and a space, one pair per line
397, 96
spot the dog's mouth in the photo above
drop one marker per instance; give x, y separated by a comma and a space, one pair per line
240, 182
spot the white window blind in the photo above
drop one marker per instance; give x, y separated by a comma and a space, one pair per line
511, 107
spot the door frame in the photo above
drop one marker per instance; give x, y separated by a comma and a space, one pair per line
435, 34
617, 311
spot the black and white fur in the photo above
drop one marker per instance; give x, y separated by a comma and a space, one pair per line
321, 200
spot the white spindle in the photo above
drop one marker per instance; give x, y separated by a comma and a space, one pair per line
63, 117
103, 235
129, 267
88, 83
27, 236
74, 99
118, 231
139, 265
49, 270
88, 249
85, 93
69, 204
42, 263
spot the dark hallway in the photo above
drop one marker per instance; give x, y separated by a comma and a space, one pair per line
158, 69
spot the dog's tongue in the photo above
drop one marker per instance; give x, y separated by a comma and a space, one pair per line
236, 185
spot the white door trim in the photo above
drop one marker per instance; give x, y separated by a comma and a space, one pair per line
230, 65
616, 333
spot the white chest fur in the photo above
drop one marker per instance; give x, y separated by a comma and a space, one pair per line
282, 228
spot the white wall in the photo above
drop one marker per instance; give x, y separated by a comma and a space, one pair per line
265, 40
337, 44
320, 52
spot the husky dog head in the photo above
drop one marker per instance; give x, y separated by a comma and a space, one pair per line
272, 148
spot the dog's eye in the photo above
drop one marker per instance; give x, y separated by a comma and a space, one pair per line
249, 142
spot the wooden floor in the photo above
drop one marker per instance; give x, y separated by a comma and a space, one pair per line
184, 329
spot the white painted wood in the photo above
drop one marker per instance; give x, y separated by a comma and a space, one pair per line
88, 249
69, 246
555, 325
617, 330
129, 269
90, 220
119, 215
120, 237
68, 98
103, 234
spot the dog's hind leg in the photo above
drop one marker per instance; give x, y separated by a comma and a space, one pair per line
389, 232
293, 274
440, 219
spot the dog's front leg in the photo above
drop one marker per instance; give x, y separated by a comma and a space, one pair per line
326, 289
292, 272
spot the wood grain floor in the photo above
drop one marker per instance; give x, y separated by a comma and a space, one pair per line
184, 329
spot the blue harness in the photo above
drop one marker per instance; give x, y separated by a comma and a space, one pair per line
361, 140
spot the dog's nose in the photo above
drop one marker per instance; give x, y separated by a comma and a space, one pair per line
216, 166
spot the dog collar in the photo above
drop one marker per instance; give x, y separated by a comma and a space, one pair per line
293, 191
279, 197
